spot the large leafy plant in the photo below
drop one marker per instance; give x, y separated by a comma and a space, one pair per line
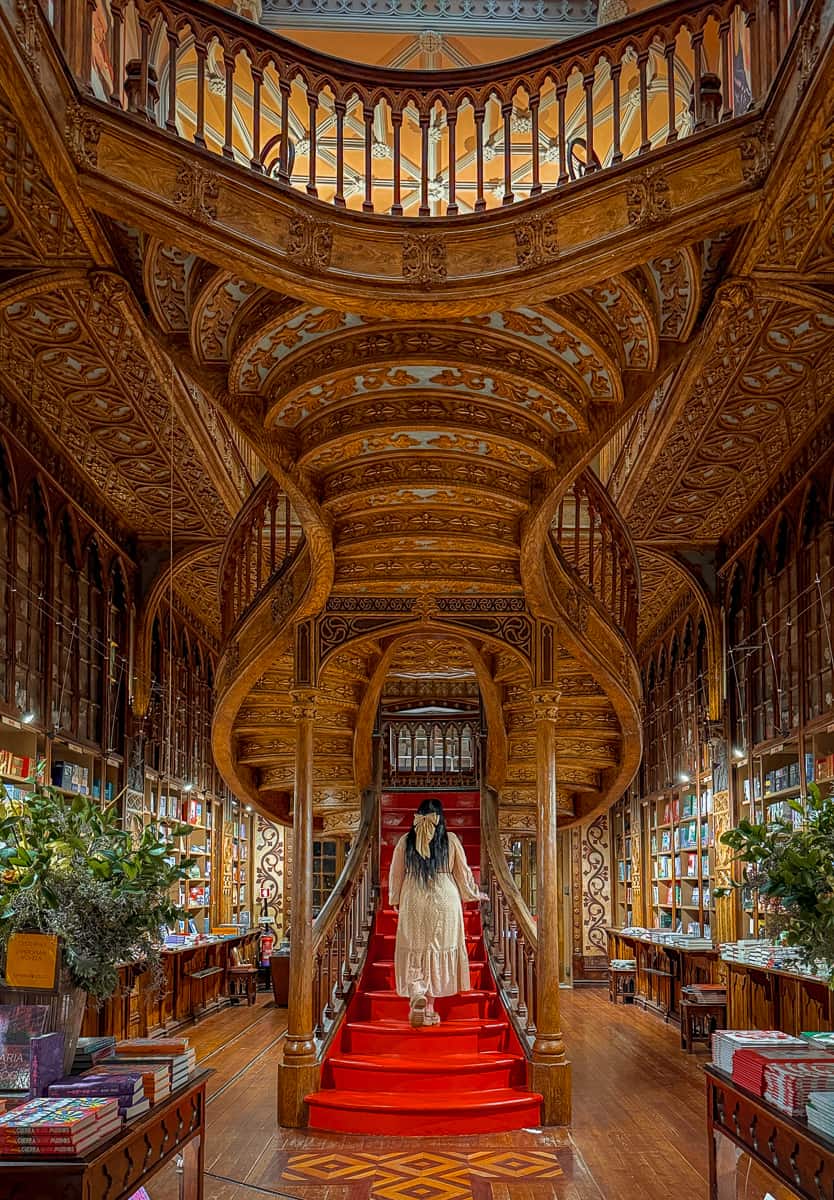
67, 867
792, 868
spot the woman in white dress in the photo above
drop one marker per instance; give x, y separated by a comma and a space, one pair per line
428, 881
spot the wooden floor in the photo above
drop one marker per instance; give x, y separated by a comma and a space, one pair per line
638, 1130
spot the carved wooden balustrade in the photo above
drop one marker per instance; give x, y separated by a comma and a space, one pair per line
420, 143
509, 929
589, 535
263, 539
342, 929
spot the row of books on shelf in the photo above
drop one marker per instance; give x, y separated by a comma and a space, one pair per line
685, 837
782, 779
21, 766
665, 895
180, 808
111, 1084
685, 866
624, 871
72, 777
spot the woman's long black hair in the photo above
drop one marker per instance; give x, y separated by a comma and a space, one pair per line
425, 869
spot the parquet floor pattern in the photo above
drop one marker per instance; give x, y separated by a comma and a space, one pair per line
639, 1127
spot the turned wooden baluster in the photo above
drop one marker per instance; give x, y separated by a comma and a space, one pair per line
452, 122
617, 153
257, 83
341, 108
229, 65
697, 47
645, 140
521, 965
561, 93
424, 210
512, 933
530, 989
116, 43
201, 51
507, 112
725, 38
397, 124
588, 85
480, 202
368, 202
671, 121
535, 101
312, 107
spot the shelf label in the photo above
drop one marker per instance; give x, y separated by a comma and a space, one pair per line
32, 961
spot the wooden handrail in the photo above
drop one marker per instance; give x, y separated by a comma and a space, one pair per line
593, 541
510, 933
264, 538
341, 931
428, 143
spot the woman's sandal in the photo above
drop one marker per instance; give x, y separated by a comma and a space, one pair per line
417, 1012
432, 1018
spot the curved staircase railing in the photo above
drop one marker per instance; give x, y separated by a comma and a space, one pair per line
263, 539
341, 931
510, 934
421, 143
591, 537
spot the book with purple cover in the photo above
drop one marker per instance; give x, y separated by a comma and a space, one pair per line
95, 1084
46, 1062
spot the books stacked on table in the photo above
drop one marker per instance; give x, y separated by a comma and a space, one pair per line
705, 993
823, 1041
789, 1084
173, 1055
155, 1077
725, 1043
128, 1090
820, 1112
91, 1050
750, 1067
59, 1126
623, 964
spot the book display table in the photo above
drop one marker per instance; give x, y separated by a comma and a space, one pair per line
118, 1167
663, 970
756, 1150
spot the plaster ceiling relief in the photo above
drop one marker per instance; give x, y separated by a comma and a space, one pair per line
675, 280
428, 657
661, 587
197, 583
167, 272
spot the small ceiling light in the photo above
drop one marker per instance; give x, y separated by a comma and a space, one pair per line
248, 807
738, 753
684, 778
28, 717
188, 787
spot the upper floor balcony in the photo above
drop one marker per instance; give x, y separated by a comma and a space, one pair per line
427, 143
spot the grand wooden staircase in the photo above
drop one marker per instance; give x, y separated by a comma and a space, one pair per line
467, 1075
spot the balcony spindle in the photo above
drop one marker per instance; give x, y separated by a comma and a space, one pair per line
645, 140
229, 64
590, 155
725, 38
424, 210
341, 109
144, 60
671, 116
201, 51
452, 123
698, 50
397, 124
536, 188
255, 161
284, 157
312, 105
616, 119
530, 969
561, 93
116, 42
368, 202
507, 112
480, 202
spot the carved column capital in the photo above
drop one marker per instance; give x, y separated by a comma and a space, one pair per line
546, 704
304, 704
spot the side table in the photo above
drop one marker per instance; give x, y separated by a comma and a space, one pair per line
119, 1167
699, 1022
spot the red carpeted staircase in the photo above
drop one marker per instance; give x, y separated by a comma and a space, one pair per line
466, 1075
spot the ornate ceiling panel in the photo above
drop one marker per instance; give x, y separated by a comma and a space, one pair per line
198, 586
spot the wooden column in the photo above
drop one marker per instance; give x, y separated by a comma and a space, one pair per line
299, 1072
550, 1071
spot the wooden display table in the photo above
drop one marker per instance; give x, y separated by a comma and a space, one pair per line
662, 970
769, 998
119, 1167
794, 1159
196, 981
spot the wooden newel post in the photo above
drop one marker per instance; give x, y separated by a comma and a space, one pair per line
299, 1071
550, 1072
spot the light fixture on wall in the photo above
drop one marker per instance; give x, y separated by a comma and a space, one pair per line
28, 717
188, 787
738, 753
248, 807
684, 778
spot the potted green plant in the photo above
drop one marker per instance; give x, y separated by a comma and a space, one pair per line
792, 869
69, 869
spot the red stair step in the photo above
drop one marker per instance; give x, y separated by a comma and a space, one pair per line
388, 1006
380, 975
450, 1113
397, 1037
406, 1076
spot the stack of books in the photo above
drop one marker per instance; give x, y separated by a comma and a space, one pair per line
91, 1050
623, 964
820, 1112
705, 993
726, 1042
822, 1041
750, 1067
156, 1077
58, 1126
128, 1090
180, 1058
788, 1085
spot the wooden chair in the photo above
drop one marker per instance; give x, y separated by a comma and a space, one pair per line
699, 1022
243, 979
622, 983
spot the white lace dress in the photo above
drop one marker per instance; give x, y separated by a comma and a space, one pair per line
431, 942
